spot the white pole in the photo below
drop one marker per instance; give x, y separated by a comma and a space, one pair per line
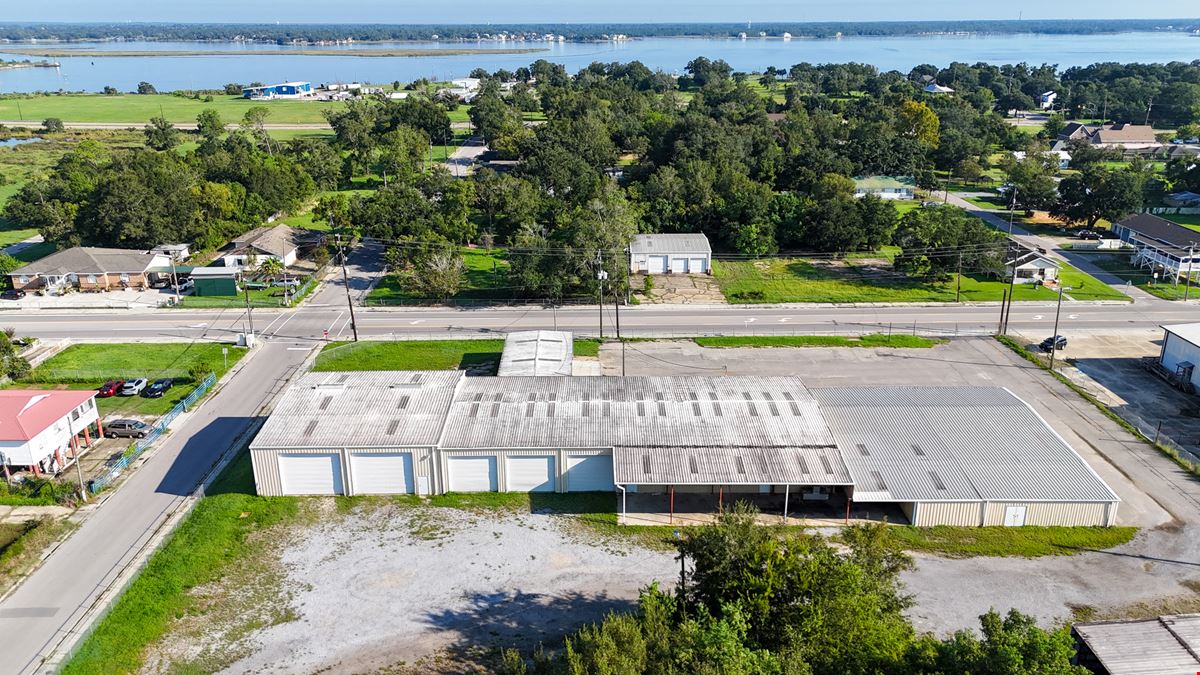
786, 490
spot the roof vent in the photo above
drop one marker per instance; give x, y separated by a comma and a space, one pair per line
312, 426
917, 449
529, 404
737, 462
343, 378
937, 481
692, 464
750, 404
803, 465
825, 463
771, 404
716, 402
550, 408
586, 407
403, 404
641, 407
879, 484
646, 464
792, 403
862, 450
326, 401
475, 405
695, 404
662, 406
392, 426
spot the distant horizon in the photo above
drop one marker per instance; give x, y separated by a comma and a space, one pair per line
165, 22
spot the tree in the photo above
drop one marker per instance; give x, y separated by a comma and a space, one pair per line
110, 91
1033, 180
271, 266
438, 275
333, 210
918, 121
1098, 193
209, 124
53, 125
1054, 126
969, 170
160, 134
233, 89
937, 242
146, 88
254, 121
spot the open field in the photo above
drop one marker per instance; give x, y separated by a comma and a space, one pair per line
87, 366
137, 109
777, 280
486, 278
481, 356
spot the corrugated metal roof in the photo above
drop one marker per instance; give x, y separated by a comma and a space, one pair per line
729, 466
670, 243
603, 412
1167, 644
536, 352
361, 409
982, 443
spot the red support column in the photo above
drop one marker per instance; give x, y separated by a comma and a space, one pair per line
721, 497
87, 436
37, 472
99, 428
59, 456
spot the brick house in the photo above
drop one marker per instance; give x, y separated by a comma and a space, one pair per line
89, 268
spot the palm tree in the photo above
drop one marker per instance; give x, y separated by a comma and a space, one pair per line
270, 267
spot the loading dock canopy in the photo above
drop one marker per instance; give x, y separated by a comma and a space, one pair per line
729, 466
911, 444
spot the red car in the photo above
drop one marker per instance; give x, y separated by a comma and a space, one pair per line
110, 388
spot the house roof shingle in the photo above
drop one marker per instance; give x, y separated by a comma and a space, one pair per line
279, 240
1174, 236
87, 260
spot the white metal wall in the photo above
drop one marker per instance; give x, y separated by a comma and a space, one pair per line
929, 514
1055, 513
1175, 350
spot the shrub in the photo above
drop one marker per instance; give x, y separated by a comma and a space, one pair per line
53, 125
648, 284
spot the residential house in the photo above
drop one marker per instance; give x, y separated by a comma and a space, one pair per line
1062, 156
178, 252
670, 254
1182, 199
885, 187
92, 269
1168, 249
1031, 267
1129, 136
1046, 99
935, 88
280, 242
40, 429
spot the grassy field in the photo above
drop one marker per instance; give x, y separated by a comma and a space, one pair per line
216, 537
486, 279
138, 109
775, 280
411, 355
87, 366
1023, 542
876, 340
1121, 266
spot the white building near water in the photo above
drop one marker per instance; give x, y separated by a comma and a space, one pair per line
670, 254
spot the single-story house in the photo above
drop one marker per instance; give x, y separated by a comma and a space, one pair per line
1181, 352
1161, 245
90, 268
1063, 157
885, 187
40, 429
1046, 99
282, 90
280, 242
1183, 199
935, 88
1111, 135
215, 281
178, 252
1165, 644
1032, 267
670, 253
966, 456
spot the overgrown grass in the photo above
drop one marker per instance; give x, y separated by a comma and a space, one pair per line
486, 278
898, 340
1020, 542
1183, 463
411, 355
211, 540
780, 280
22, 546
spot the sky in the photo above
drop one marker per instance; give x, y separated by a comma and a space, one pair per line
581, 11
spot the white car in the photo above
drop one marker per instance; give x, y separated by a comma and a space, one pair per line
133, 387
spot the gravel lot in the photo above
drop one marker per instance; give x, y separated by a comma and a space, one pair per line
426, 587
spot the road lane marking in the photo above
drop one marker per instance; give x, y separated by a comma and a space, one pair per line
785, 319
1037, 317
290, 317
413, 323
335, 320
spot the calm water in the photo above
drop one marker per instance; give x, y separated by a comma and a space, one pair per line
14, 142
670, 54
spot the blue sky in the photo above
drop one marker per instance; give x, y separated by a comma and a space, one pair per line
580, 11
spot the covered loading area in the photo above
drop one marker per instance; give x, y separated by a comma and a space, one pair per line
968, 456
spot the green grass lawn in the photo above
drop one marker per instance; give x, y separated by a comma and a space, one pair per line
259, 297
35, 252
137, 109
992, 203
87, 366
1122, 266
898, 340
214, 538
411, 355
1188, 220
1026, 542
775, 280
486, 279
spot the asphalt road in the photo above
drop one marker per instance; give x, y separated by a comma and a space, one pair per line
47, 605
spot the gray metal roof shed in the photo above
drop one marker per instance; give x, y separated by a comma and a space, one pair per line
1167, 644
670, 243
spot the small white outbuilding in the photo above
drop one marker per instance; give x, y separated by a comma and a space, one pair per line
670, 254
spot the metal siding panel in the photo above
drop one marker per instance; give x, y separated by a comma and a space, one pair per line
1070, 514
960, 514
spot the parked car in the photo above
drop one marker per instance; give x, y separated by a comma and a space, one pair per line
157, 388
126, 429
110, 388
286, 282
930, 205
12, 294
133, 387
186, 286
1057, 342
1089, 234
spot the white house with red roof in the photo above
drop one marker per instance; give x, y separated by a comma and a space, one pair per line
40, 429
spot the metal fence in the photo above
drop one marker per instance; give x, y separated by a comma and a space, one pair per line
138, 447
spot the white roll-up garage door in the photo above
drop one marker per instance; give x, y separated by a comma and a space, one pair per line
382, 474
679, 266
529, 474
658, 264
697, 266
589, 473
471, 474
311, 474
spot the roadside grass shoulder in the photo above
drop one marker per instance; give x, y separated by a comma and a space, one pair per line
411, 355
23, 544
1121, 266
898, 340
214, 538
1010, 542
587, 348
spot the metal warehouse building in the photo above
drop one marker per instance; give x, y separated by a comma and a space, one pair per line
956, 456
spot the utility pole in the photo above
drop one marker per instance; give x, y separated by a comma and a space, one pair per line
249, 315
999, 326
78, 467
1149, 107
626, 299
1054, 336
958, 288
1188, 282
346, 282
1012, 281
601, 275
174, 278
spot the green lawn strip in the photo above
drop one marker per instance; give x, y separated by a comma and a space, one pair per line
485, 278
1173, 454
210, 541
899, 340
410, 355
1087, 287
137, 109
587, 348
23, 544
992, 203
259, 297
1025, 542
1121, 266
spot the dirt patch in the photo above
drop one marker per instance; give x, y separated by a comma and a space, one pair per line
384, 586
680, 289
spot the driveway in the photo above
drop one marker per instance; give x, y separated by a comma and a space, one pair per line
462, 162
